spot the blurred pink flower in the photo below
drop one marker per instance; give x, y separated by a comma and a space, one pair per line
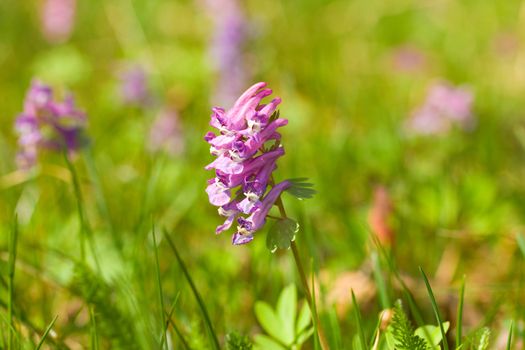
444, 107
226, 48
407, 58
379, 216
46, 123
134, 86
58, 19
166, 133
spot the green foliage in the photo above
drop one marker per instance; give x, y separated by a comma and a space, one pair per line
235, 341
113, 322
400, 335
284, 326
281, 234
482, 339
301, 189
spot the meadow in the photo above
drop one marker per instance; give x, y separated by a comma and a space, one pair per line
404, 143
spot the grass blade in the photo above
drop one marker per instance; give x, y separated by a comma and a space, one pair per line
80, 209
174, 325
509, 340
204, 311
521, 243
380, 281
459, 318
85, 229
159, 287
100, 198
13, 238
315, 317
436, 309
46, 332
94, 333
357, 314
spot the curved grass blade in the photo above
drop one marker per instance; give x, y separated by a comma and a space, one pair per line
100, 198
159, 287
175, 327
459, 318
13, 238
213, 337
436, 309
357, 314
380, 281
46, 332
509, 340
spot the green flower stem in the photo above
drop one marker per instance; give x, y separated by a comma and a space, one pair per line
80, 208
302, 276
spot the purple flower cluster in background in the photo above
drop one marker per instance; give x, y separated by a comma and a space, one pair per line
247, 148
166, 133
47, 124
444, 107
58, 18
226, 48
134, 86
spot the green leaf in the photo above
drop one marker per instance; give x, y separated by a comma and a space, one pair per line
402, 331
432, 334
301, 189
287, 310
263, 342
302, 337
390, 340
521, 243
304, 319
270, 321
281, 234
483, 339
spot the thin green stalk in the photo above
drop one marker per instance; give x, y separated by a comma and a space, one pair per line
302, 277
380, 281
459, 318
46, 333
408, 294
94, 332
213, 337
179, 333
314, 312
177, 330
436, 309
85, 230
357, 314
509, 340
99, 195
80, 209
13, 238
377, 332
159, 287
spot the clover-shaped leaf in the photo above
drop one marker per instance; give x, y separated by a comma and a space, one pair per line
286, 329
281, 234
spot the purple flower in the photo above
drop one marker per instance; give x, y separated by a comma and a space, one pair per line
58, 17
226, 48
166, 133
48, 124
246, 147
444, 107
134, 86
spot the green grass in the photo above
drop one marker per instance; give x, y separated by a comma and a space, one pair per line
81, 250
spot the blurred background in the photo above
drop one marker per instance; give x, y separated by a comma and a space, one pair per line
408, 116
